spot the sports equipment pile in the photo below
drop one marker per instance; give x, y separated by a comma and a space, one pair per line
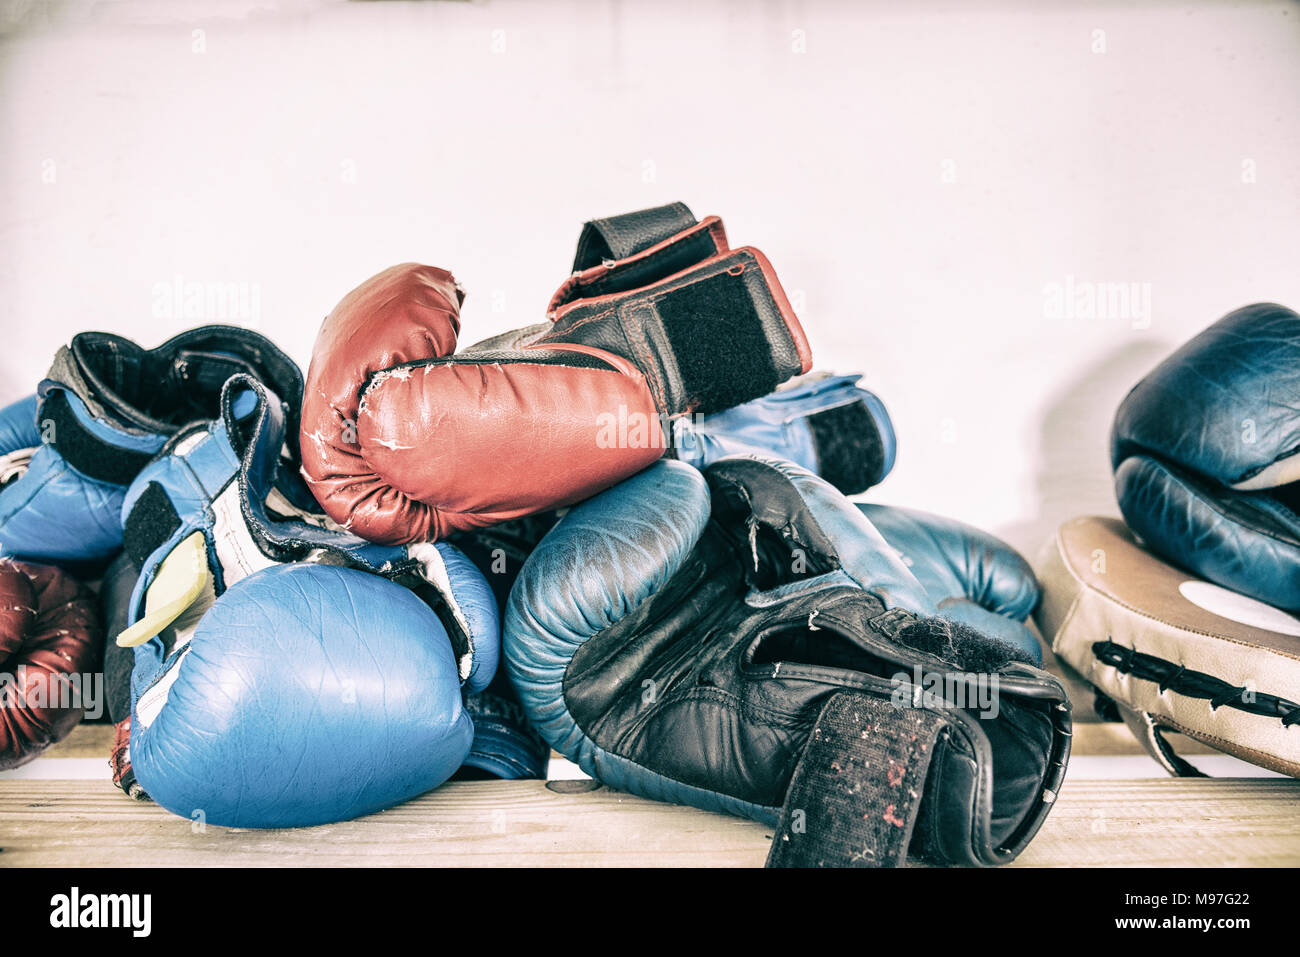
623, 534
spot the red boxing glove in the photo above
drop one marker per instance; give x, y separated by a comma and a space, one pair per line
49, 632
405, 314
403, 441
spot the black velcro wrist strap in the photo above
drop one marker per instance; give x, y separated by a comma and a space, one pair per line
617, 237
850, 450
152, 521
669, 255
707, 338
857, 789
88, 453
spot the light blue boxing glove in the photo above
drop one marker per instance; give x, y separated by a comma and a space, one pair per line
104, 409
971, 576
286, 672
826, 423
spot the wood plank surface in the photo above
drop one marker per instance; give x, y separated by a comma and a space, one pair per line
566, 823
1090, 738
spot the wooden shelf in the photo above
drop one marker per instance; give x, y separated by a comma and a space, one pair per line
1145, 822
520, 823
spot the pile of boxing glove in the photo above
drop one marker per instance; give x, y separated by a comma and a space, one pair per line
637, 507
1183, 616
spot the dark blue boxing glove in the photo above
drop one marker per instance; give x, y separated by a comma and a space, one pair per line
744, 640
1206, 451
506, 745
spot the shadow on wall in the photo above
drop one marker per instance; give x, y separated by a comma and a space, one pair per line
1074, 476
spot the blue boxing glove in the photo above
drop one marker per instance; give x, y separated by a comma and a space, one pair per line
973, 577
104, 409
827, 424
506, 745
307, 694
1206, 451
286, 672
18, 432
48, 510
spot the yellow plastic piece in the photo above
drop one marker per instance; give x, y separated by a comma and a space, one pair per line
180, 581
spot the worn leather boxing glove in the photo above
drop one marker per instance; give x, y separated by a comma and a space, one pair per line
104, 409
1206, 451
972, 577
311, 676
743, 640
403, 441
843, 433
50, 640
827, 424
506, 745
115, 602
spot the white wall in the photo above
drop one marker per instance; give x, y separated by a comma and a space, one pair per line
917, 173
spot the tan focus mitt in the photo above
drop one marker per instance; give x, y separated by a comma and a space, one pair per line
1171, 650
